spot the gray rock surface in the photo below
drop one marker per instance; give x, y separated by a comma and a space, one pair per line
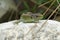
20, 31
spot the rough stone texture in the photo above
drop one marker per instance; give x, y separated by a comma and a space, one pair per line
12, 31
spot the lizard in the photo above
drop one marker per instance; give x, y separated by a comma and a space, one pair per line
30, 17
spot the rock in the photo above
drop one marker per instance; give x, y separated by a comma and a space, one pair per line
6, 5
30, 31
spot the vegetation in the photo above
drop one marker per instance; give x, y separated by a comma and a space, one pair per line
50, 9
44, 7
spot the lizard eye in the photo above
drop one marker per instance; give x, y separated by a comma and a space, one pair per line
31, 17
37, 16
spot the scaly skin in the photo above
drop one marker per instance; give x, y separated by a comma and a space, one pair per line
31, 17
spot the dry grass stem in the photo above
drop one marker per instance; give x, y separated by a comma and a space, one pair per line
49, 7
44, 3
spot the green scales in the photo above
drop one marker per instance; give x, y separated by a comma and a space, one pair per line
31, 17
